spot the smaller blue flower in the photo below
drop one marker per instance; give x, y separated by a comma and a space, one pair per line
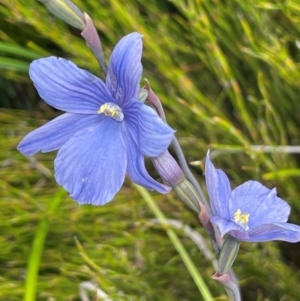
106, 131
251, 212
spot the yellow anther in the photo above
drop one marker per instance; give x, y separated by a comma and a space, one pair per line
107, 110
112, 110
241, 219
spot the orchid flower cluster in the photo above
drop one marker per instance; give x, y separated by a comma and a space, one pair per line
110, 126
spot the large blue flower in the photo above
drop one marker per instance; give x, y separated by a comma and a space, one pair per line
251, 212
106, 131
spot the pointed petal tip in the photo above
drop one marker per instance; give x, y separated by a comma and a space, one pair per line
207, 157
209, 166
25, 149
135, 34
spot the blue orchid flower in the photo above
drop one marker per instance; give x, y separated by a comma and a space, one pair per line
106, 131
251, 212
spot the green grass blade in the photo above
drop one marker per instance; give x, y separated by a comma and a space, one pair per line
203, 289
13, 64
37, 248
19, 51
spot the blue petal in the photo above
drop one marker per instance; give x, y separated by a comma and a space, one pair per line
227, 226
277, 231
52, 135
92, 164
125, 68
136, 168
218, 189
151, 134
260, 202
66, 87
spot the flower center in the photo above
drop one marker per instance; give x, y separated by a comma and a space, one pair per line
241, 219
112, 110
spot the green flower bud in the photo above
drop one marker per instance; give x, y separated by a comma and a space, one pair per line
187, 193
228, 254
67, 11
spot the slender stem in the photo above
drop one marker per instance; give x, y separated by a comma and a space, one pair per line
236, 293
37, 248
236, 290
177, 244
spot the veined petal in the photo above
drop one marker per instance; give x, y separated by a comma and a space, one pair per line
136, 168
227, 226
151, 134
261, 203
92, 164
125, 68
218, 189
277, 231
52, 135
66, 87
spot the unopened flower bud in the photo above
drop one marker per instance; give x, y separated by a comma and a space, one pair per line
67, 11
228, 254
187, 193
168, 168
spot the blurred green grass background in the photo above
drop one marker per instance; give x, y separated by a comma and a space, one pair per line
228, 74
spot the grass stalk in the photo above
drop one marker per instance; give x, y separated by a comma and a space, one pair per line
38, 246
203, 289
